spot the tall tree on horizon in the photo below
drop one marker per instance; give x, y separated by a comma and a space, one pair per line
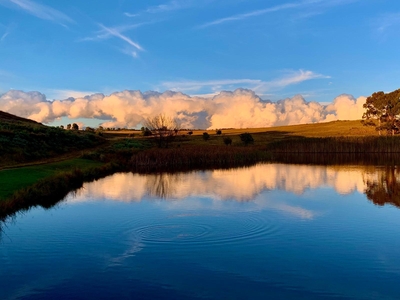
164, 128
383, 112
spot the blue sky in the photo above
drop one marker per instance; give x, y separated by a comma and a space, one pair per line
319, 49
316, 48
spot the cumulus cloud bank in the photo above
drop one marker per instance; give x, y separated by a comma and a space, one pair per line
241, 108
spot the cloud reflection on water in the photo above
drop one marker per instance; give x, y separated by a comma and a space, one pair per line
242, 184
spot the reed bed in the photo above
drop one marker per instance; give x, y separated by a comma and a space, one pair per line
327, 159
197, 157
354, 145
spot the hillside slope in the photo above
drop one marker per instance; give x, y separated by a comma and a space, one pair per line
23, 140
6, 117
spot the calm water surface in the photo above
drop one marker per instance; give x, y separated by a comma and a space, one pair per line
272, 231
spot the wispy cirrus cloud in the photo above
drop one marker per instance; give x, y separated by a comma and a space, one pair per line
259, 86
39, 10
7, 31
131, 15
103, 34
320, 4
113, 31
172, 5
65, 93
166, 7
3, 37
252, 14
191, 85
290, 78
4, 74
131, 47
387, 21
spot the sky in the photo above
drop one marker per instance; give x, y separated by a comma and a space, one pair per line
308, 51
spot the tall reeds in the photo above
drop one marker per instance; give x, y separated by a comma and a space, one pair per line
350, 145
196, 157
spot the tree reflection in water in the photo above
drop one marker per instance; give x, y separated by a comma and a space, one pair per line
162, 185
386, 188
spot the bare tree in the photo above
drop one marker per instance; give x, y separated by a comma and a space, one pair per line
163, 128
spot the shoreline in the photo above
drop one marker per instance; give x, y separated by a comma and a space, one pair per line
188, 153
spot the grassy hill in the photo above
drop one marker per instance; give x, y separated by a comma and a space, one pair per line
23, 140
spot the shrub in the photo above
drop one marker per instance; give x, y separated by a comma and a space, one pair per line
206, 136
190, 132
227, 141
147, 132
246, 138
218, 131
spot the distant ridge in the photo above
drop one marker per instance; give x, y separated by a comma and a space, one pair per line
10, 117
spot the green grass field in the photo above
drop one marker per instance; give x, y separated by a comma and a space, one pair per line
15, 179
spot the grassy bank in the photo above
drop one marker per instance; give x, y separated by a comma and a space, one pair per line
47, 191
13, 180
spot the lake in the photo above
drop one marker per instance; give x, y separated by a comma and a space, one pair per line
270, 231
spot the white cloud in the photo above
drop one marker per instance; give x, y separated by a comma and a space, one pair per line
41, 11
240, 109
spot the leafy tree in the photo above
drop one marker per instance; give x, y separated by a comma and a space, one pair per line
163, 127
218, 131
246, 138
383, 112
206, 136
227, 141
89, 129
75, 126
190, 132
69, 126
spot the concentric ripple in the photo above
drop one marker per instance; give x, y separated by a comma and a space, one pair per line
215, 230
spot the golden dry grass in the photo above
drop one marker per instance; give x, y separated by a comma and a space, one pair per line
264, 135
329, 129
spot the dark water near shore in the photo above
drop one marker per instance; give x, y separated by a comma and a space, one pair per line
272, 231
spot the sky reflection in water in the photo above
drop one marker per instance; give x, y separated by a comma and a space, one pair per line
272, 230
